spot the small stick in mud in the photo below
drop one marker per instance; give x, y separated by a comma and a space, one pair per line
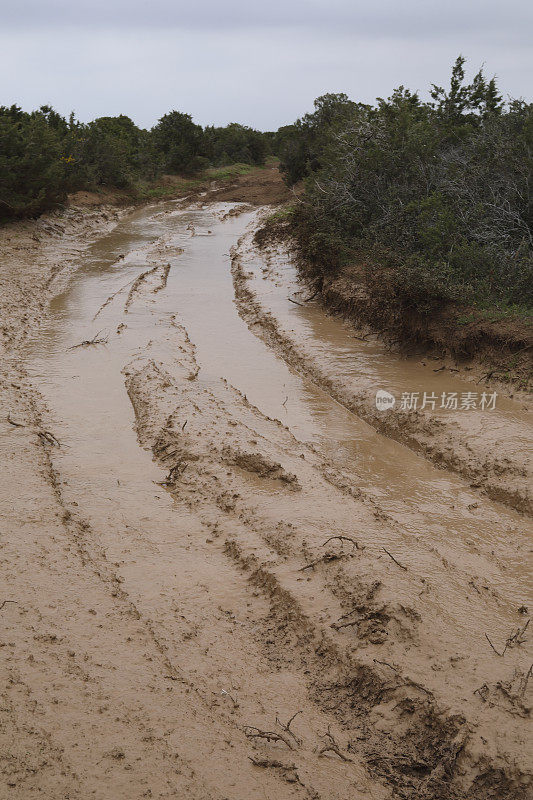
287, 727
526, 679
338, 625
342, 539
4, 602
224, 693
318, 290
112, 296
482, 691
512, 640
184, 424
271, 736
517, 637
296, 303
331, 746
324, 560
15, 424
385, 664
271, 762
496, 651
97, 339
394, 559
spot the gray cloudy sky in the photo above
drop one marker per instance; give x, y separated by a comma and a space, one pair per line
237, 60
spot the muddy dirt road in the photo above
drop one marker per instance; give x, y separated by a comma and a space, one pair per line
226, 575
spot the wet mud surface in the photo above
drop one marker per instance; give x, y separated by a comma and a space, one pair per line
226, 575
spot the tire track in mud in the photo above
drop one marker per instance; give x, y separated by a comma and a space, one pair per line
501, 481
154, 280
394, 723
207, 728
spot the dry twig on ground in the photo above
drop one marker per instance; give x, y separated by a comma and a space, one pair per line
395, 559
513, 640
271, 736
331, 746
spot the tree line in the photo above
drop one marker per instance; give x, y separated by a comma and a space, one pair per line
44, 156
431, 200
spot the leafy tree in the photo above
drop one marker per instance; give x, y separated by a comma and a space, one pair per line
300, 146
234, 144
179, 141
33, 171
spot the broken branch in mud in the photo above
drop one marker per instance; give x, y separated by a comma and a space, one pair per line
395, 559
97, 339
342, 539
287, 727
296, 303
271, 736
4, 602
331, 746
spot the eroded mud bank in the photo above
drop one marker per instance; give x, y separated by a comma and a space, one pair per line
211, 545
490, 448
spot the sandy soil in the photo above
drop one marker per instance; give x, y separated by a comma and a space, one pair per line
195, 601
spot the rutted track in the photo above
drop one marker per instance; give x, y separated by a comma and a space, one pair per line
177, 603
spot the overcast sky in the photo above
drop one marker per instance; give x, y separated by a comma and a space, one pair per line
261, 64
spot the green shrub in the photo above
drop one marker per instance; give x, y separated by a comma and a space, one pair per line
439, 191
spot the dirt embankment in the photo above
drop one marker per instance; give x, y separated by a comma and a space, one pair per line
499, 348
36, 256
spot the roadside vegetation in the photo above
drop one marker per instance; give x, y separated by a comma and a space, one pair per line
44, 156
427, 205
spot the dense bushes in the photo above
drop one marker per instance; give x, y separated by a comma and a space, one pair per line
235, 144
43, 156
34, 174
431, 197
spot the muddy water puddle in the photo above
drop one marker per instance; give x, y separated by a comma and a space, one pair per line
106, 471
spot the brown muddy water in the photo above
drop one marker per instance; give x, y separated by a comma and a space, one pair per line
84, 387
